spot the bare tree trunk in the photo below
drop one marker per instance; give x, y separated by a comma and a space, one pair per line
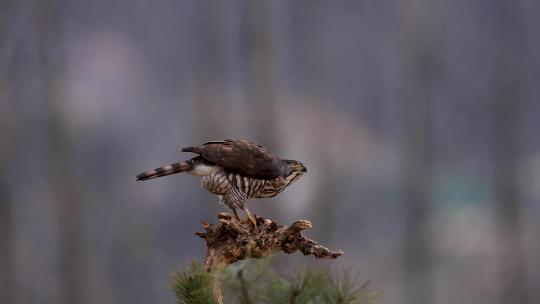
416, 183
64, 179
417, 151
261, 61
209, 93
7, 278
512, 285
507, 83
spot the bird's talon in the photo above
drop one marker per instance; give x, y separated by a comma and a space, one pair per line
254, 222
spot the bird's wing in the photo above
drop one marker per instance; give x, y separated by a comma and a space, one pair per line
240, 156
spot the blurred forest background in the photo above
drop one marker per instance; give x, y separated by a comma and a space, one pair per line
418, 121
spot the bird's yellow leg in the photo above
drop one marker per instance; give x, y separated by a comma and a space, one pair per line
236, 214
251, 218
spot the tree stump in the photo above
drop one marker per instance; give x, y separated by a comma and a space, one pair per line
231, 240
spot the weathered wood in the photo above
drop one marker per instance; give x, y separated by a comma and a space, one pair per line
231, 240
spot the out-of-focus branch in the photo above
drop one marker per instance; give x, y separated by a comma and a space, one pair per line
246, 299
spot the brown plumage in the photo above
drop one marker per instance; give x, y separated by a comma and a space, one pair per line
235, 170
241, 156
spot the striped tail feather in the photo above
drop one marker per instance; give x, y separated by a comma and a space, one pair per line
165, 170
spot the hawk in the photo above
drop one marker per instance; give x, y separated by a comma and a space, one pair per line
235, 170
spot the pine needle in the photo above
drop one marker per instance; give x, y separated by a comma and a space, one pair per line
192, 285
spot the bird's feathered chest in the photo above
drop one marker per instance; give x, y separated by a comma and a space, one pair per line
219, 181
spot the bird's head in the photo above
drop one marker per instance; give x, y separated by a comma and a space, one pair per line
293, 170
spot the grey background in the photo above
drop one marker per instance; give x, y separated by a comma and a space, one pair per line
418, 121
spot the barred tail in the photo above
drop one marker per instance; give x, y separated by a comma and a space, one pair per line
165, 170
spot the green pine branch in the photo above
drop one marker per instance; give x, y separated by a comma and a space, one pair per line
192, 285
256, 283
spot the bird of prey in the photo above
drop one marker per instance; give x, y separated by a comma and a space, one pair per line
235, 170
